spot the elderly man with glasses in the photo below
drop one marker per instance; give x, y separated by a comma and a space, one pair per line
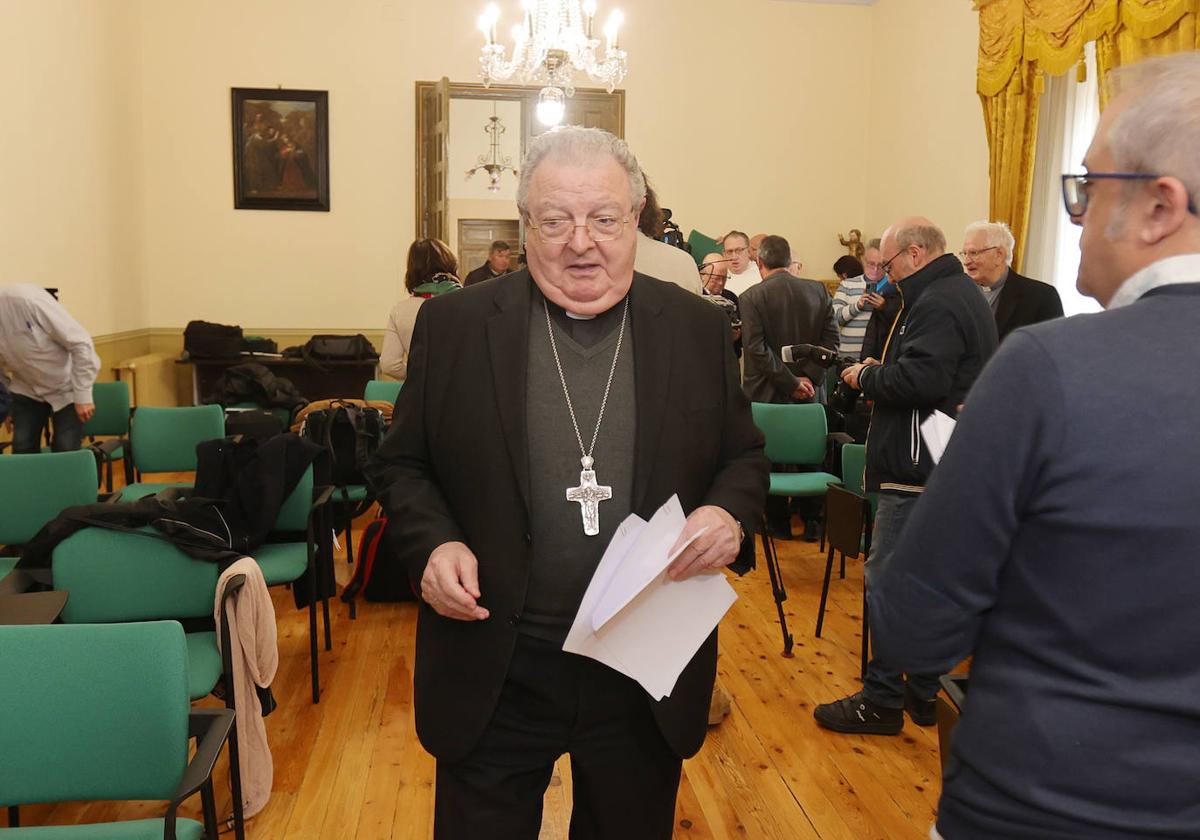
1057, 542
1016, 301
513, 386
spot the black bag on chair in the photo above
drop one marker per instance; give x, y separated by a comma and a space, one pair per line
351, 435
204, 340
255, 424
339, 348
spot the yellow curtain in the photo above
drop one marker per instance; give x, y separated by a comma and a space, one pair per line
1019, 40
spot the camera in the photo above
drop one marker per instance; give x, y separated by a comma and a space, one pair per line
843, 398
672, 235
726, 306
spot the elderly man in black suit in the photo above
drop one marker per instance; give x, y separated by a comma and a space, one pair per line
510, 382
1016, 301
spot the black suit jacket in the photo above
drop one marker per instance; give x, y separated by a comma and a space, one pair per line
779, 311
455, 466
1023, 302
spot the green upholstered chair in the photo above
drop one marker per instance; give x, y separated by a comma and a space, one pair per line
382, 389
117, 576
164, 440
796, 436
702, 246
283, 562
111, 421
35, 488
103, 714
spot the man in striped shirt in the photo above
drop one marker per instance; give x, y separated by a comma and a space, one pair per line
856, 298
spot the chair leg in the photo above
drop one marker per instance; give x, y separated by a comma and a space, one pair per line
235, 785
824, 591
14, 816
328, 635
208, 802
866, 632
349, 536
842, 573
777, 590
822, 520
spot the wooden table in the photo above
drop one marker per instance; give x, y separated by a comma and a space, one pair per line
32, 607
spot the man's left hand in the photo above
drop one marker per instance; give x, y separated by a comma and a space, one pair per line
84, 411
850, 375
714, 549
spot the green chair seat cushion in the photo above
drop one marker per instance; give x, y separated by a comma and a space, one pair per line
145, 488
7, 564
204, 663
801, 484
282, 562
129, 830
356, 492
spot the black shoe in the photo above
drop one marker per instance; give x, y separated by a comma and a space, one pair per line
922, 712
857, 714
812, 530
780, 530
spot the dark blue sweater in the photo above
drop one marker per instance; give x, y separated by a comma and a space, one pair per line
1059, 542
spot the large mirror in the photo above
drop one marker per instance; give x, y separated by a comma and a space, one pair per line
451, 138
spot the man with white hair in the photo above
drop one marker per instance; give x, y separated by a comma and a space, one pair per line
1058, 542
1016, 301
589, 364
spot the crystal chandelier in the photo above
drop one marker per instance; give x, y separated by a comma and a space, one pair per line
493, 163
554, 41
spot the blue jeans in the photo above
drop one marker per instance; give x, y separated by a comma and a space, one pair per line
884, 684
29, 419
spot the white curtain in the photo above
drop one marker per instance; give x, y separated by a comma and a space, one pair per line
1070, 111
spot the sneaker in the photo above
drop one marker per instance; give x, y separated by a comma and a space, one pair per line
857, 714
922, 712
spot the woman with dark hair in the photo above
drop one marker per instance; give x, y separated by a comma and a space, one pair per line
432, 270
847, 266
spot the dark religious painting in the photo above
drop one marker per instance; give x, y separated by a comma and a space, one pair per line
280, 149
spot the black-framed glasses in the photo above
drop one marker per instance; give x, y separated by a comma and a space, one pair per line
1075, 189
886, 265
559, 230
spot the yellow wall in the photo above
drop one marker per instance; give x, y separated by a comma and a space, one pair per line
120, 183
69, 174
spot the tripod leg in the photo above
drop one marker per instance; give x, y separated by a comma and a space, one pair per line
772, 563
824, 591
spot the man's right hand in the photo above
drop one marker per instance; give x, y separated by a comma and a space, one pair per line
451, 583
870, 300
804, 389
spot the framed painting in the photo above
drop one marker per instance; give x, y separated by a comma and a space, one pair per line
280, 149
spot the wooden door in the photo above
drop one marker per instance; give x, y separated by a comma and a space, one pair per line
588, 108
433, 143
475, 238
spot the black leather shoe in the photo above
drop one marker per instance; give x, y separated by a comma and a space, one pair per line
857, 714
922, 712
812, 530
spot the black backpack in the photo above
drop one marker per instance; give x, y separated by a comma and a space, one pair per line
203, 340
339, 348
350, 433
379, 575
256, 424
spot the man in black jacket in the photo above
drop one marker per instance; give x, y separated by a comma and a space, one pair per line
939, 343
581, 356
1016, 301
497, 264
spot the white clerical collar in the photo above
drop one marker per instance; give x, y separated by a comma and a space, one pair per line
575, 317
1171, 271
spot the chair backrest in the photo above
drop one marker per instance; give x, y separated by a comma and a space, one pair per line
35, 488
164, 439
796, 434
96, 712
293, 513
112, 410
845, 515
118, 576
382, 389
854, 465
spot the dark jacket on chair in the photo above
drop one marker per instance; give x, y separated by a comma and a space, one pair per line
942, 338
1023, 302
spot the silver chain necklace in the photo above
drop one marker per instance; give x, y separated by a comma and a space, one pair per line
588, 494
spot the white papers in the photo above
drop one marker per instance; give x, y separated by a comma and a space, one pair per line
936, 431
638, 621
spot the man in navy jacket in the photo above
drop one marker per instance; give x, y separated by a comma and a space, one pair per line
1058, 542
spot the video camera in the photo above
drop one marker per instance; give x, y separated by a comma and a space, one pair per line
844, 397
672, 235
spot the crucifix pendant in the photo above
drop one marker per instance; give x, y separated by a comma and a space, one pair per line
589, 495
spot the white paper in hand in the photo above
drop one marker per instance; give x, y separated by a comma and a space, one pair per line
637, 620
935, 431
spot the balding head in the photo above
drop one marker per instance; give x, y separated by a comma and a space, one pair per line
755, 241
911, 244
714, 271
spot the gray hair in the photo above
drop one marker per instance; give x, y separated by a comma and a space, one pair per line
996, 234
576, 144
1160, 130
775, 252
874, 243
927, 236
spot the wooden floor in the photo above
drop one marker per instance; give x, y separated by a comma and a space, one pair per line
351, 767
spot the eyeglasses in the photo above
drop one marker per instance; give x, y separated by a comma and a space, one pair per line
1075, 189
559, 231
971, 256
884, 267
873, 264
729, 252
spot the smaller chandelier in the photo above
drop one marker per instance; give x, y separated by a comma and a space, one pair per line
554, 41
493, 163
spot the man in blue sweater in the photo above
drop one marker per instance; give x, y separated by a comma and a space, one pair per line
1058, 541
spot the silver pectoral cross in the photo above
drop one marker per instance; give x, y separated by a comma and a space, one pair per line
589, 494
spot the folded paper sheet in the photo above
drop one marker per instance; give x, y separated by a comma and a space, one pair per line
935, 431
638, 621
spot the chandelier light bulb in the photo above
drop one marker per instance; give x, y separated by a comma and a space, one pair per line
589, 8
551, 106
612, 28
518, 35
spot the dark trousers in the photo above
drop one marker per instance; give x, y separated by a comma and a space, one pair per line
624, 776
29, 419
884, 683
